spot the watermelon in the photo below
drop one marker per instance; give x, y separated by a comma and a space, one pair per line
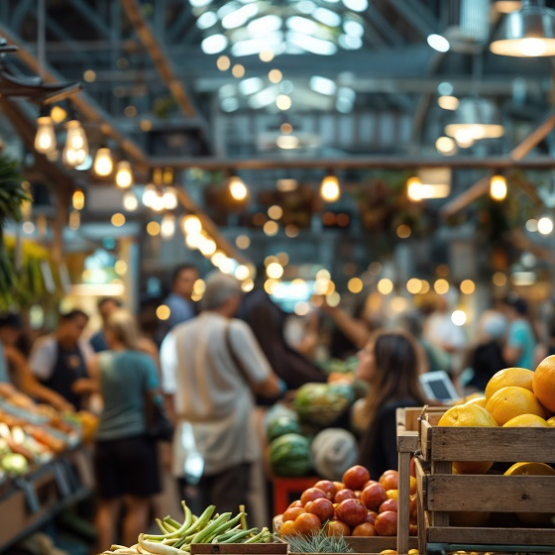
282, 425
277, 411
322, 404
289, 455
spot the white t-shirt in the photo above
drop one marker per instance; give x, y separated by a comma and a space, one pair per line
440, 330
210, 392
44, 354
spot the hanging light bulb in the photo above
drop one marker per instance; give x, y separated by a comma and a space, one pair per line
78, 200
130, 202
124, 176
498, 187
158, 203
45, 139
103, 163
330, 190
149, 195
76, 148
237, 188
414, 189
167, 228
170, 198
191, 225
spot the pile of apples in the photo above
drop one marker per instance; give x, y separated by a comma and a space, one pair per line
357, 506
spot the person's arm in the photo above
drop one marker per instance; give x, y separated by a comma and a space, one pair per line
148, 347
259, 374
31, 386
87, 386
355, 330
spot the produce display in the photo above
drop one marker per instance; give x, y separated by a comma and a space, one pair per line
322, 404
177, 537
356, 506
32, 433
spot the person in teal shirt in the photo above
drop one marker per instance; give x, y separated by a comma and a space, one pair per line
126, 460
520, 348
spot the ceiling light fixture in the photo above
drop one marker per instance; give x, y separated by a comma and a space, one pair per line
498, 187
45, 138
76, 148
526, 33
124, 175
237, 188
477, 119
103, 163
330, 191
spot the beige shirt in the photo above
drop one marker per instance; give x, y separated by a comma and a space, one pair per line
210, 392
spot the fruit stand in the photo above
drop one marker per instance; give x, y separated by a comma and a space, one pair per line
28, 502
492, 507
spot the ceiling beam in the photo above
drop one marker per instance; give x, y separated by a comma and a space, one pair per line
159, 57
515, 160
413, 13
354, 163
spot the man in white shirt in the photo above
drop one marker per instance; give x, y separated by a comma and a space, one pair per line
60, 360
212, 367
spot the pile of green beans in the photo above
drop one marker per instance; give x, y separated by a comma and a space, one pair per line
177, 538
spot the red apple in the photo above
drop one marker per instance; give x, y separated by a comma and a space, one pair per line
389, 505
322, 508
371, 517
413, 530
386, 524
390, 480
308, 506
351, 511
369, 483
356, 477
373, 496
295, 504
339, 485
364, 529
337, 528
344, 494
311, 494
292, 513
327, 487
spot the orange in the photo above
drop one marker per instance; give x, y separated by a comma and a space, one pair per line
551, 422
519, 377
393, 493
480, 401
526, 421
468, 415
511, 401
544, 383
532, 469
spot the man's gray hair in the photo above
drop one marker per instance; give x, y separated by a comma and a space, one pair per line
219, 288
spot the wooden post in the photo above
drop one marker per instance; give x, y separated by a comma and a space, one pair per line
403, 520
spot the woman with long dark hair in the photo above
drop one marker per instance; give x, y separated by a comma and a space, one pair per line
391, 363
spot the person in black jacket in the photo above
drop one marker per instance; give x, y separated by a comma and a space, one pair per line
391, 362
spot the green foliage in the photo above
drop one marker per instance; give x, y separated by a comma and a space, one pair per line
318, 543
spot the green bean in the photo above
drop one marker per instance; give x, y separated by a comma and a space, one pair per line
228, 534
260, 535
211, 528
165, 528
177, 533
224, 527
157, 548
172, 522
240, 535
202, 521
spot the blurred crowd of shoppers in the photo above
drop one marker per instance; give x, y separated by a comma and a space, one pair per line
211, 367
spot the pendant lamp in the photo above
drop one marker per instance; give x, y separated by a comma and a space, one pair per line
526, 33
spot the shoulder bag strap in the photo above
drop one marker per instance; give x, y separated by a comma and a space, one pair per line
236, 360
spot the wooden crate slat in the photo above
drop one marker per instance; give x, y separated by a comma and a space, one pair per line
375, 544
492, 536
238, 548
526, 494
407, 442
488, 444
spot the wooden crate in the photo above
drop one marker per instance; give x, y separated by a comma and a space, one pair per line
276, 548
439, 491
374, 544
407, 445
